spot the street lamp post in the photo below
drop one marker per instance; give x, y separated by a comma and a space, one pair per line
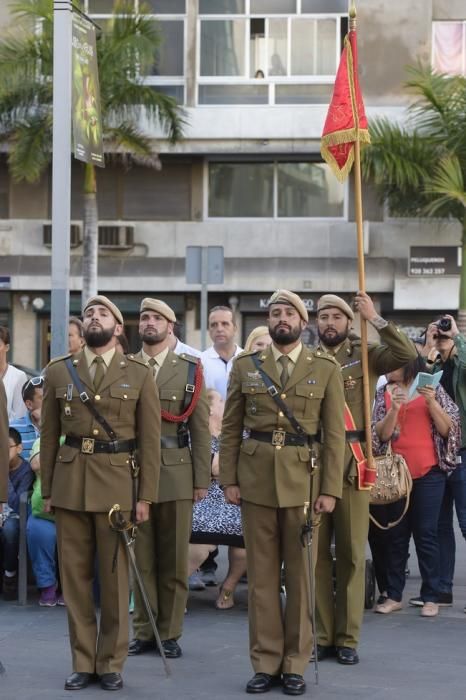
61, 175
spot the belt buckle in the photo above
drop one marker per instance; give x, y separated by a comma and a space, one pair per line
87, 446
278, 438
190, 388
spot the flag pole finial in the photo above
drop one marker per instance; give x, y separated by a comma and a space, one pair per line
352, 16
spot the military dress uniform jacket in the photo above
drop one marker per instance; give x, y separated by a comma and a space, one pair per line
274, 476
182, 468
4, 450
129, 402
395, 351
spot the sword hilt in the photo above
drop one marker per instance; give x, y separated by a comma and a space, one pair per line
117, 520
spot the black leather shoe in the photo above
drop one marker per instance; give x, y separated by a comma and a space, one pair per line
78, 681
293, 684
262, 683
171, 648
324, 652
111, 681
140, 646
347, 656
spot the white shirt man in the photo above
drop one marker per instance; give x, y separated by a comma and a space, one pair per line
218, 359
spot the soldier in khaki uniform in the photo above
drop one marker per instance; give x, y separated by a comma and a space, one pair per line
84, 477
339, 618
4, 451
162, 544
267, 470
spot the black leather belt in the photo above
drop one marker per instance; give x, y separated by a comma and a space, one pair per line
89, 446
280, 438
171, 442
355, 435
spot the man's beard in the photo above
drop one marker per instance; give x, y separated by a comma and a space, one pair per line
98, 337
283, 336
332, 340
154, 337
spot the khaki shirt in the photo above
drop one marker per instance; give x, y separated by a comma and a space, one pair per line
278, 476
182, 468
128, 400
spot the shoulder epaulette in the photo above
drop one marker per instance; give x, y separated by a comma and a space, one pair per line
245, 353
325, 356
189, 358
138, 360
60, 358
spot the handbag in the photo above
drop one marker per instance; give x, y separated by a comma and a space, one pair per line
393, 482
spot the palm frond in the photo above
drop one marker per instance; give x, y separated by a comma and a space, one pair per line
32, 9
446, 186
396, 155
31, 148
127, 50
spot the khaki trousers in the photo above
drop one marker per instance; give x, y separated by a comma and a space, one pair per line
81, 537
339, 618
162, 558
279, 642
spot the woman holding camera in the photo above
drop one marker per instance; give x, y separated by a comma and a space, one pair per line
425, 430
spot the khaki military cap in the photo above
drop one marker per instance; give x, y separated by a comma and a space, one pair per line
330, 301
283, 296
159, 306
100, 300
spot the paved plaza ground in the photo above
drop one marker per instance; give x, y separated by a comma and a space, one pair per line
403, 656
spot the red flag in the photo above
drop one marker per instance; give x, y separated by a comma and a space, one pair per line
346, 119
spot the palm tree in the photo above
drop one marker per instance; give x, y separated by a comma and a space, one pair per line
420, 169
126, 51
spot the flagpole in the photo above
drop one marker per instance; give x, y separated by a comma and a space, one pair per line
361, 272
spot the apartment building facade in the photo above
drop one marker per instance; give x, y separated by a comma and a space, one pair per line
255, 78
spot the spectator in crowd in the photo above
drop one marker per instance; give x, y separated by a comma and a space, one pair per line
445, 349
258, 339
75, 335
42, 540
217, 522
20, 479
13, 379
218, 359
217, 362
29, 425
4, 449
425, 430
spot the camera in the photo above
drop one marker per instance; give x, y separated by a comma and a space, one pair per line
444, 325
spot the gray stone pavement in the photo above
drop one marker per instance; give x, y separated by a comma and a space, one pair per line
403, 656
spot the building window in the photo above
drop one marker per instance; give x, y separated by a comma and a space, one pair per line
307, 190
222, 47
280, 190
170, 55
168, 72
258, 52
241, 190
449, 47
221, 7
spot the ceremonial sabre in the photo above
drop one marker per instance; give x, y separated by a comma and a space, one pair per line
307, 531
119, 524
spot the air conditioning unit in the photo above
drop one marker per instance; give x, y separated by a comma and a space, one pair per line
75, 235
116, 237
